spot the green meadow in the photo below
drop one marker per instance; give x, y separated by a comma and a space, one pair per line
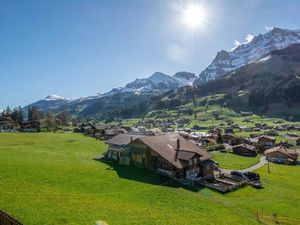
53, 179
236, 162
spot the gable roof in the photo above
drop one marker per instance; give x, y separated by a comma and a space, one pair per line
245, 146
122, 139
166, 145
185, 155
283, 150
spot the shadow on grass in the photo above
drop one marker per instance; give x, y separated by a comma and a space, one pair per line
143, 175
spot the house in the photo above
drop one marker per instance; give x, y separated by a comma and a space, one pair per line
118, 144
83, 128
264, 140
6, 124
156, 131
30, 126
244, 149
99, 128
111, 132
228, 137
245, 129
140, 130
282, 154
229, 130
171, 155
236, 141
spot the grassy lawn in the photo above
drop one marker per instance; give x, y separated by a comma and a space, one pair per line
53, 179
235, 162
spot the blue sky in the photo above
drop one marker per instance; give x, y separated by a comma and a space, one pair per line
77, 48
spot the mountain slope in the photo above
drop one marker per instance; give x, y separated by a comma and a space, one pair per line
249, 52
155, 84
50, 103
268, 87
133, 93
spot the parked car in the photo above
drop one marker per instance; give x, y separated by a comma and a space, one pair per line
239, 174
252, 176
254, 179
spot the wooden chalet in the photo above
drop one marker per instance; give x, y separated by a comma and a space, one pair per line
169, 154
30, 126
118, 144
282, 154
6, 123
264, 140
244, 149
227, 138
114, 131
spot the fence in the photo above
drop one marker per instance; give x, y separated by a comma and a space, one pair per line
6, 219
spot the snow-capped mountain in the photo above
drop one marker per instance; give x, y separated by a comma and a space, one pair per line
139, 89
156, 83
253, 50
49, 103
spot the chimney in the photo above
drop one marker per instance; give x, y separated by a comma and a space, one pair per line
178, 144
131, 138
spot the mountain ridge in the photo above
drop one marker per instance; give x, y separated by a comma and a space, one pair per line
254, 50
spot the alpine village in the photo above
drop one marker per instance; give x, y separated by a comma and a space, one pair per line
166, 149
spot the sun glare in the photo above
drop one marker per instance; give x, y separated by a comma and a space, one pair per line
194, 16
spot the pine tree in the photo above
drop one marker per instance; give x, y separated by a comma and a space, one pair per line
50, 122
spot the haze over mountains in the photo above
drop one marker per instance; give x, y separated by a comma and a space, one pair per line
257, 50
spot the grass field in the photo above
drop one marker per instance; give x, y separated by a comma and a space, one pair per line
235, 162
53, 179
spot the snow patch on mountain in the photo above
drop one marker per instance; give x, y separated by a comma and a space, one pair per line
155, 84
56, 98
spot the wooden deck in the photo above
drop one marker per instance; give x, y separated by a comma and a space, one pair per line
6, 219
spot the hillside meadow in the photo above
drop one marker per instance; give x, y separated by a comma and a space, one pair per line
50, 178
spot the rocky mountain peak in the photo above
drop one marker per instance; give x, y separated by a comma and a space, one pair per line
251, 51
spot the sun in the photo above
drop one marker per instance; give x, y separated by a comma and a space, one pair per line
194, 16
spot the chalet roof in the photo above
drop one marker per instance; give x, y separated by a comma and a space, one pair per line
228, 135
100, 127
111, 131
285, 151
185, 155
122, 139
166, 145
245, 146
5, 119
87, 127
267, 137
258, 138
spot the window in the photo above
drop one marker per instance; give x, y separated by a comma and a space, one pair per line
190, 162
195, 160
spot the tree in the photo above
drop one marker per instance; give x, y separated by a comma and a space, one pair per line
34, 114
50, 122
64, 117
